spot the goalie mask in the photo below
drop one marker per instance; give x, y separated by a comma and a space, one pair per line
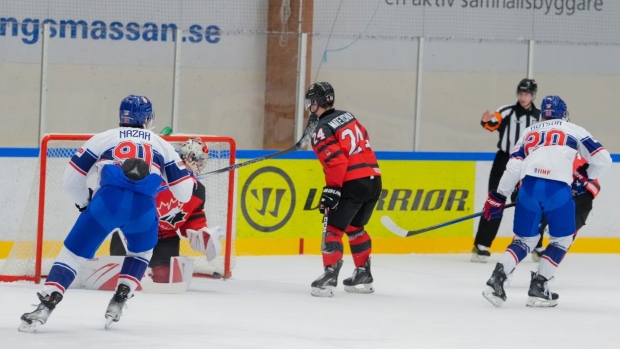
321, 93
194, 153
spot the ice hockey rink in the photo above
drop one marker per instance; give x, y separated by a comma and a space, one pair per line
422, 301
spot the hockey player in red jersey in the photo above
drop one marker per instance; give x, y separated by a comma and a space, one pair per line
352, 189
188, 219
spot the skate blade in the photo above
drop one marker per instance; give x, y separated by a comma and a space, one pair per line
29, 328
535, 302
322, 292
361, 288
488, 294
109, 320
476, 258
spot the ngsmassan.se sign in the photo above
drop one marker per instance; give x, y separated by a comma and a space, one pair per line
29, 30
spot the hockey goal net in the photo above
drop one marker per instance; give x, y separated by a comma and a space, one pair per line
49, 217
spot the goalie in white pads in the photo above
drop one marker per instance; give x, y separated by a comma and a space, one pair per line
131, 162
188, 219
543, 160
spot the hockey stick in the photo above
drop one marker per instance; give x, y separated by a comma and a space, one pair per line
324, 235
394, 228
305, 139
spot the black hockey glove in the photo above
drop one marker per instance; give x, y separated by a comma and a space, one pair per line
581, 174
90, 196
514, 195
329, 198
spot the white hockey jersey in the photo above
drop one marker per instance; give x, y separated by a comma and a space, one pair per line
116, 145
548, 149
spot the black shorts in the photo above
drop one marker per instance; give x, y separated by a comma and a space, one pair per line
357, 201
165, 249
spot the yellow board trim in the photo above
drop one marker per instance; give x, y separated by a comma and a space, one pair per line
291, 246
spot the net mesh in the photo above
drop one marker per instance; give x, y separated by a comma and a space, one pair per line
60, 213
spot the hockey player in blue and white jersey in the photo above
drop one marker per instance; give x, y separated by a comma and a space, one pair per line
131, 162
543, 160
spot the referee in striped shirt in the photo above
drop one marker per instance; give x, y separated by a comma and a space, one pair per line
509, 121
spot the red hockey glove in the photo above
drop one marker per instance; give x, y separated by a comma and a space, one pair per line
580, 174
494, 206
593, 187
329, 198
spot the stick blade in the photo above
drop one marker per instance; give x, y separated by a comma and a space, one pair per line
393, 227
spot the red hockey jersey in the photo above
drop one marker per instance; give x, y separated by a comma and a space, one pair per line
343, 147
174, 215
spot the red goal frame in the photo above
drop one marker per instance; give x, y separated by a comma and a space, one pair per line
36, 278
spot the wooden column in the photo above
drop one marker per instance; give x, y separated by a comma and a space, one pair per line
281, 72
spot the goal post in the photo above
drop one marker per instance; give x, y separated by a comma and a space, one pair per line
49, 217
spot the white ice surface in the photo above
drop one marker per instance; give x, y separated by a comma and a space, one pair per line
422, 301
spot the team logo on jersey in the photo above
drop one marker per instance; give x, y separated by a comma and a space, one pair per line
268, 208
170, 214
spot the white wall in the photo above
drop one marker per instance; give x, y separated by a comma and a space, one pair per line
472, 62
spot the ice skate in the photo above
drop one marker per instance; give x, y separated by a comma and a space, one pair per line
479, 255
325, 284
537, 254
539, 294
360, 281
117, 303
495, 293
32, 321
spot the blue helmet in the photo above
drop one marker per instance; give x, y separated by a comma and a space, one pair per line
553, 107
135, 111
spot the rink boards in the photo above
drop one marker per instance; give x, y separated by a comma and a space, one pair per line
277, 200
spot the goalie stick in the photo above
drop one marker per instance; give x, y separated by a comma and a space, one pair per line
313, 121
394, 228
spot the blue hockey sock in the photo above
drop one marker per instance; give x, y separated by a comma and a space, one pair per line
554, 253
132, 271
515, 252
63, 272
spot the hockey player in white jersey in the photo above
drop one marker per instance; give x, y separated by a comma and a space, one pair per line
543, 160
131, 162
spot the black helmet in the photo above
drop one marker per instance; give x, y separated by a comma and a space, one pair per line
322, 93
527, 85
